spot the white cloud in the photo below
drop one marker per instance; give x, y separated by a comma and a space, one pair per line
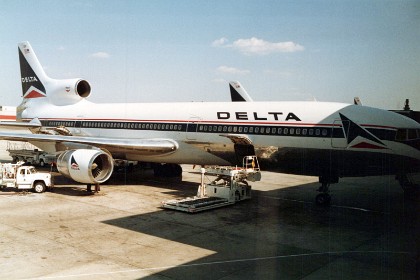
232, 70
219, 42
255, 46
100, 55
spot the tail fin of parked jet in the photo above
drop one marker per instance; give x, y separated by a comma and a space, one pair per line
32, 74
36, 83
238, 93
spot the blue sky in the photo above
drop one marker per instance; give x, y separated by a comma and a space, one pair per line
164, 51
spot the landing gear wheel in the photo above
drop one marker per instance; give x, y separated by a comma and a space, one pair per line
167, 170
323, 199
39, 187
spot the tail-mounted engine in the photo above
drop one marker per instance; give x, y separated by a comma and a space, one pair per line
65, 92
85, 166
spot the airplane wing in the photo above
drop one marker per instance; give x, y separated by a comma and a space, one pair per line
33, 124
145, 147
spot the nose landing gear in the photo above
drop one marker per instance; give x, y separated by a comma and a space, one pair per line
324, 198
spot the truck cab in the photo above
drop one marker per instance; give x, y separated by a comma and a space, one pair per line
24, 177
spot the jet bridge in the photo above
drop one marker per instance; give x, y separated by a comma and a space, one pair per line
230, 185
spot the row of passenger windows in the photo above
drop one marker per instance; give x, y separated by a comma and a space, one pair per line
147, 126
201, 128
263, 130
59, 123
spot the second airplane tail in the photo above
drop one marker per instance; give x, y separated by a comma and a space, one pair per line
238, 93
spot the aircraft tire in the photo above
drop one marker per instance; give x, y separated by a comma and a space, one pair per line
167, 170
323, 199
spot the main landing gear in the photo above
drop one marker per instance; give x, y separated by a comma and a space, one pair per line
167, 170
324, 198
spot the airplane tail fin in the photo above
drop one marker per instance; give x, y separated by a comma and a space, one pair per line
238, 93
36, 83
32, 74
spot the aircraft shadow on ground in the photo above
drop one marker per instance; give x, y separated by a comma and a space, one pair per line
283, 234
66, 186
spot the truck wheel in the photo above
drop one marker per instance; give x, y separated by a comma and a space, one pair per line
41, 163
39, 187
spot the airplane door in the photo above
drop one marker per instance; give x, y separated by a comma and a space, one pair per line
192, 128
338, 135
78, 125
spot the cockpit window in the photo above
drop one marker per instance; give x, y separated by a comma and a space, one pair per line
401, 135
412, 134
407, 134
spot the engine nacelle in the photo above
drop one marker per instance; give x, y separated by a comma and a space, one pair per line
86, 166
65, 92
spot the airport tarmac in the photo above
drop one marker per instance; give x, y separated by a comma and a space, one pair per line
371, 231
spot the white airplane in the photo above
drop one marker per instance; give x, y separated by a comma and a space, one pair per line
329, 140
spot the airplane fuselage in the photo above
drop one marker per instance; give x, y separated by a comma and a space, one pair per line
312, 138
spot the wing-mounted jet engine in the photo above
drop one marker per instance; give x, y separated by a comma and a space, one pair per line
85, 166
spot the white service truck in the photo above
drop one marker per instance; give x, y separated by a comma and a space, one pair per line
15, 175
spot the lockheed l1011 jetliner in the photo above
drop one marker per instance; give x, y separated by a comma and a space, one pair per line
329, 140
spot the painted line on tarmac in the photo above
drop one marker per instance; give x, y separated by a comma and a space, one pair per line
333, 205
338, 254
